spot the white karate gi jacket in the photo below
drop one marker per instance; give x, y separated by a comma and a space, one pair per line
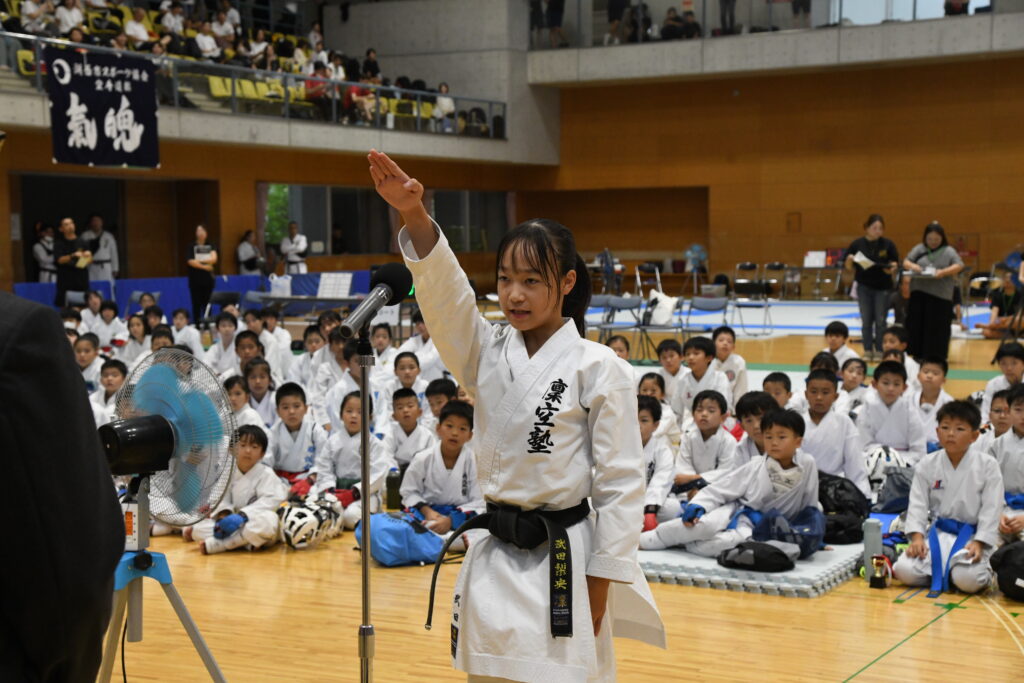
296, 452
836, 445
735, 370
897, 426
659, 469
402, 447
428, 481
710, 459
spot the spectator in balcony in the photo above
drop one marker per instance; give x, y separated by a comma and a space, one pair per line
370, 66
232, 14
727, 15
299, 58
165, 81
672, 26
69, 15
638, 23
319, 55
444, 110
555, 11
336, 68
206, 43
319, 92
315, 36
39, 19
101, 10
801, 13
76, 35
691, 29
139, 37
223, 30
267, 60
120, 41
536, 22
173, 20
616, 8
254, 48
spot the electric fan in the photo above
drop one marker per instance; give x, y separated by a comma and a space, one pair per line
696, 263
174, 432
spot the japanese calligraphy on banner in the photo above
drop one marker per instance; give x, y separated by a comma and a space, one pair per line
102, 109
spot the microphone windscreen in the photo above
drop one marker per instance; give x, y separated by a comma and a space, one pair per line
397, 277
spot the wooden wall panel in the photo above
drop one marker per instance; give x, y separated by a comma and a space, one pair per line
150, 229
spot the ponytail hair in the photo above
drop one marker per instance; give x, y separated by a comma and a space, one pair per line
550, 248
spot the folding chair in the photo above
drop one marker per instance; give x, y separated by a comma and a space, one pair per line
252, 301
221, 299
748, 296
674, 326
133, 300
745, 272
827, 282
621, 304
644, 273
611, 282
74, 299
708, 304
774, 276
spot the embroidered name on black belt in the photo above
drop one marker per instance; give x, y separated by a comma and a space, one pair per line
539, 440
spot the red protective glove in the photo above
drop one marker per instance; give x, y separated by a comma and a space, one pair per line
650, 521
346, 496
300, 488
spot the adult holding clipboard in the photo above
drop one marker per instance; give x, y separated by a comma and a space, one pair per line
200, 272
874, 259
932, 266
72, 256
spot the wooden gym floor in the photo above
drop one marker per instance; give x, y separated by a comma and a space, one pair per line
282, 615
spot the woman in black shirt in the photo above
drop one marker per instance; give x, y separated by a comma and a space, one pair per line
873, 272
200, 273
67, 250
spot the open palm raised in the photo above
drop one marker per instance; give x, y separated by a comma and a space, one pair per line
393, 184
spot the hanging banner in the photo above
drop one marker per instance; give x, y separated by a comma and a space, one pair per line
102, 109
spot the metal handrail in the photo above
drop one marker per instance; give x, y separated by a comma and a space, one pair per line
289, 79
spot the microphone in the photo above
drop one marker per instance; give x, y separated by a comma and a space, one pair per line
388, 286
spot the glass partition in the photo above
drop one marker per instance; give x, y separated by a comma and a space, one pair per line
230, 89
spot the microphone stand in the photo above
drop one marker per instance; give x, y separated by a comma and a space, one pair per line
366, 634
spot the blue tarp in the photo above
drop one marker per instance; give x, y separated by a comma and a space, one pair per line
174, 290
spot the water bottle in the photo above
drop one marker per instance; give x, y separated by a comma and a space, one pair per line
393, 484
872, 543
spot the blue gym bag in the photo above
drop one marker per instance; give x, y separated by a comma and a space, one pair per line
398, 539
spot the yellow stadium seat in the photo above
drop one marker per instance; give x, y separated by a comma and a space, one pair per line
248, 89
426, 110
219, 89
191, 33
26, 63
275, 90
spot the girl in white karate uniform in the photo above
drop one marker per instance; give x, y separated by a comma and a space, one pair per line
302, 371
339, 466
108, 328
659, 464
221, 356
853, 390
238, 396
556, 419
257, 375
247, 514
138, 341
653, 384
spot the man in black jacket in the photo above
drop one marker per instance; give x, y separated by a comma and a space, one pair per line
66, 531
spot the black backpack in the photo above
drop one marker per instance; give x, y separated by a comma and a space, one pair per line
845, 509
758, 557
1008, 563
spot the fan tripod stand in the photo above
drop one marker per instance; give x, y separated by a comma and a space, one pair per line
136, 564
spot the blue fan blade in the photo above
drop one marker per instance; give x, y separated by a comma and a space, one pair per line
187, 486
199, 425
156, 390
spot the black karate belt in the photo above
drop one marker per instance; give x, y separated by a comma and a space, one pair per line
101, 263
527, 529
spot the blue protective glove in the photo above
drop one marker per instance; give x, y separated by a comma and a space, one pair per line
691, 513
228, 525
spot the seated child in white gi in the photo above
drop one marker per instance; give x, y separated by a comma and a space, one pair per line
888, 418
186, 334
221, 356
383, 352
338, 466
301, 370
238, 396
87, 354
896, 338
438, 393
406, 435
729, 362
853, 388
108, 328
831, 437
999, 421
653, 384
440, 487
407, 375
823, 360
1008, 451
257, 374
706, 451
751, 407
699, 353
670, 357
723, 514
930, 396
112, 375
779, 386
160, 338
1010, 358
659, 465
837, 334
247, 514
138, 341
297, 440
327, 407
956, 500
